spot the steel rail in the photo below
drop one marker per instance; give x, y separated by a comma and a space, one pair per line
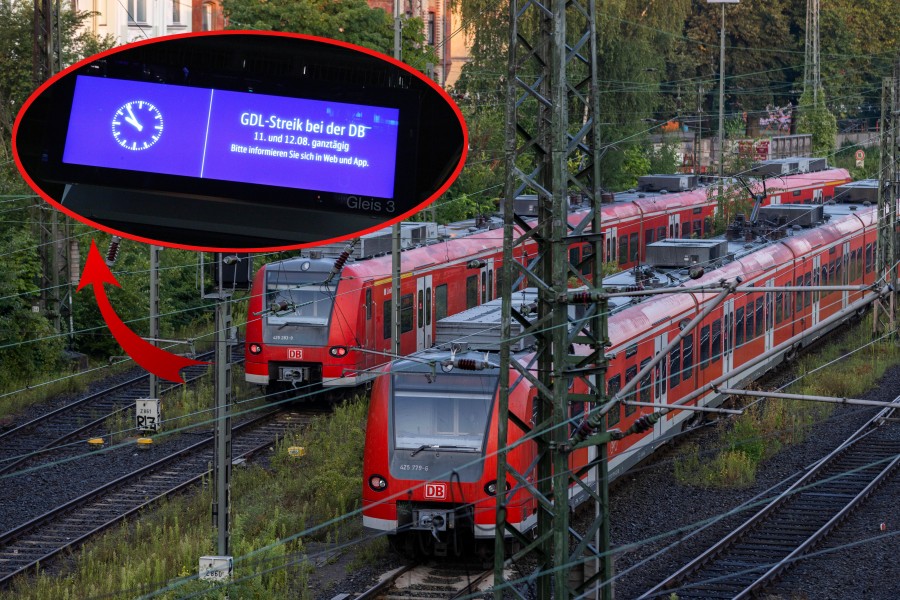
34, 525
801, 485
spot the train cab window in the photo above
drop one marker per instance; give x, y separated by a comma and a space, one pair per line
440, 302
406, 313
587, 261
368, 304
623, 250
675, 366
457, 417
649, 236
716, 339
686, 230
760, 315
739, 327
704, 346
660, 233
646, 395
386, 316
687, 356
630, 372
635, 247
471, 291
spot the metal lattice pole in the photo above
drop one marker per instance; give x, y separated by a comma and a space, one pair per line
812, 78
552, 151
888, 193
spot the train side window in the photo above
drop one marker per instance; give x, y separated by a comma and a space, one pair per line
630, 372
807, 296
870, 257
750, 322
660, 233
760, 315
368, 304
471, 291
716, 339
687, 356
440, 301
574, 257
428, 306
387, 318
612, 417
646, 395
788, 302
698, 228
858, 264
613, 385
799, 295
420, 312
739, 327
675, 366
707, 226
623, 250
406, 313
576, 413
686, 230
587, 260
649, 236
635, 247
704, 346
779, 314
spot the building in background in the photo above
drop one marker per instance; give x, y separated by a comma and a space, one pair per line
132, 20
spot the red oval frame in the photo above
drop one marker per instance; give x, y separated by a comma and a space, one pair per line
441, 92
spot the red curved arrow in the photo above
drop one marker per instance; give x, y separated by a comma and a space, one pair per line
159, 362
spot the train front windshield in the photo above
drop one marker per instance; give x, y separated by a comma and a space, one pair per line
305, 300
452, 412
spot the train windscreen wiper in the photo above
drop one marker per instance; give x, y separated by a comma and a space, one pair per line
440, 447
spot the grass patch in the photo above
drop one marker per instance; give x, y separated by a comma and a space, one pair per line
766, 427
268, 504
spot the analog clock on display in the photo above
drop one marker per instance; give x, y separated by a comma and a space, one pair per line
137, 125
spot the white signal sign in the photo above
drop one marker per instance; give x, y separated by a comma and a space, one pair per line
147, 415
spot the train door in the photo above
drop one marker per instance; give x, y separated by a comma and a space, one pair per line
674, 226
424, 312
487, 281
728, 338
368, 358
612, 243
817, 264
776, 199
817, 196
660, 386
845, 274
770, 315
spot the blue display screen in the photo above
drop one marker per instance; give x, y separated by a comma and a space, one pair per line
233, 136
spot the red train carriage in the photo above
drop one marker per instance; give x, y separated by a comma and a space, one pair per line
333, 328
429, 467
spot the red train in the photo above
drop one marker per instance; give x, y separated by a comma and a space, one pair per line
430, 467
323, 318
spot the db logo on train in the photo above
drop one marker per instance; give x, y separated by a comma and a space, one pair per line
295, 353
437, 491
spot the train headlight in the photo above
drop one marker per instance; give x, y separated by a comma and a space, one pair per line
377, 483
255, 348
491, 488
338, 351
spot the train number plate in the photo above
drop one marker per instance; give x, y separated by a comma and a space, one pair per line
436, 491
295, 353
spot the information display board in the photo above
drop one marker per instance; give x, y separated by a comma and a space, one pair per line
233, 136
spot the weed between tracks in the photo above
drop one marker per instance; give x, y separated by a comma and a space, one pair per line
765, 427
157, 551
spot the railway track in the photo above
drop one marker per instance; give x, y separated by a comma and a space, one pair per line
754, 554
53, 429
68, 525
431, 581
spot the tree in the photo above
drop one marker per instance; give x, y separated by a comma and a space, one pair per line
816, 119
